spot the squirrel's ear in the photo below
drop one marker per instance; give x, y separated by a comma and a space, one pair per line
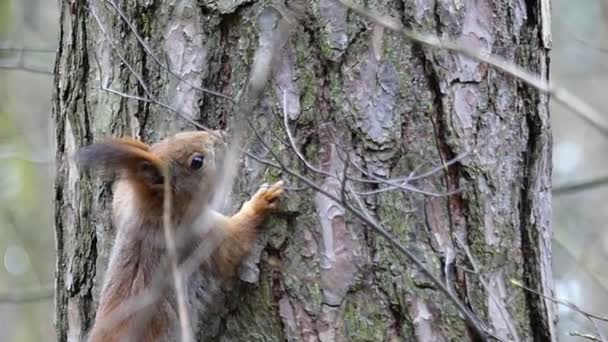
150, 173
124, 154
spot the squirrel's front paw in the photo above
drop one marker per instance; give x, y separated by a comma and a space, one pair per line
266, 198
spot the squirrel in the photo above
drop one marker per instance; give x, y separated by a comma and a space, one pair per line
192, 160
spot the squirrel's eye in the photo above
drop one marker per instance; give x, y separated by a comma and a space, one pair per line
197, 162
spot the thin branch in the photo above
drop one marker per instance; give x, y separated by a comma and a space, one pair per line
573, 37
149, 98
504, 312
27, 296
155, 58
585, 336
8, 47
592, 318
25, 68
7, 152
116, 50
478, 326
184, 319
392, 184
441, 167
294, 147
574, 188
20, 65
403, 185
26, 50
565, 303
578, 106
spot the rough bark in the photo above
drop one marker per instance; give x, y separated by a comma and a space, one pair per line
317, 274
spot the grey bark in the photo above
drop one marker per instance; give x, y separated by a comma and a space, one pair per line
317, 274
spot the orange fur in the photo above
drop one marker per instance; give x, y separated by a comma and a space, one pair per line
139, 247
240, 229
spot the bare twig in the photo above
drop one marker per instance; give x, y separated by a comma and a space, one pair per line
574, 37
574, 188
149, 98
9, 152
155, 58
504, 312
184, 319
589, 316
9, 47
478, 326
585, 336
403, 185
27, 296
392, 184
20, 66
109, 39
578, 106
566, 303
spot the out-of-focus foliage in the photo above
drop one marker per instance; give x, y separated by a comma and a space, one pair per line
18, 182
26, 170
5, 10
581, 240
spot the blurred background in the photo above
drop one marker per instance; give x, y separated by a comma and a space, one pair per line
580, 164
28, 40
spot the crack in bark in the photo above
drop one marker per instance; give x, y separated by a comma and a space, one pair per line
397, 311
531, 10
455, 204
437, 18
223, 75
530, 236
143, 107
277, 288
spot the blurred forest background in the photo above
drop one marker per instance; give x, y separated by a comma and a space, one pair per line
28, 40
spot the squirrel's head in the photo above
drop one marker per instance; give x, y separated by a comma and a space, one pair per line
191, 160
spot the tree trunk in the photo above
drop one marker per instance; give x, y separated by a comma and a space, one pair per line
395, 106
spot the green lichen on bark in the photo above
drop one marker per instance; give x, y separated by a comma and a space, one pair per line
255, 301
366, 318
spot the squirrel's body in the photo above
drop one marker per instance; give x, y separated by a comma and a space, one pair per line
138, 300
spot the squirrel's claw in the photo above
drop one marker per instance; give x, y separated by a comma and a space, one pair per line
267, 196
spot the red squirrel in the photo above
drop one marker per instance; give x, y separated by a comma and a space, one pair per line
192, 161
